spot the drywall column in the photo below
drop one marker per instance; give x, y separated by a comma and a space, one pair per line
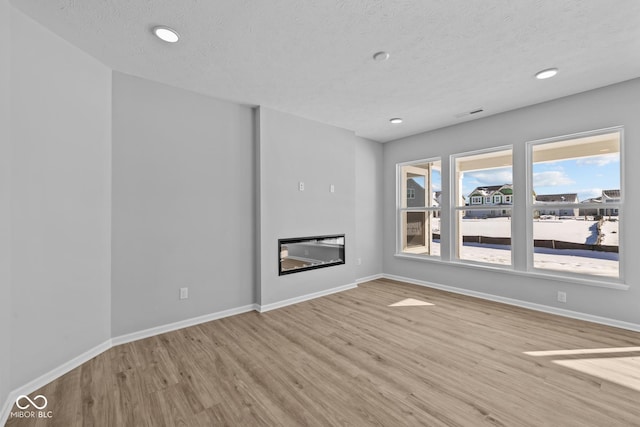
369, 208
61, 201
294, 150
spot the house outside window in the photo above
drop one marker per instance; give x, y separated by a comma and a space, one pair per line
483, 233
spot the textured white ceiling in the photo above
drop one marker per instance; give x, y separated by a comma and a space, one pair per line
314, 58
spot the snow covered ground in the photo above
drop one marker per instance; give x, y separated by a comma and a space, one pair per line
569, 261
610, 235
567, 230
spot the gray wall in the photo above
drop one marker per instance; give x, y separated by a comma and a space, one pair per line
292, 149
5, 204
183, 205
61, 175
614, 105
369, 208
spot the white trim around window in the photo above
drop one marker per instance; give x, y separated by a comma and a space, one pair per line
419, 228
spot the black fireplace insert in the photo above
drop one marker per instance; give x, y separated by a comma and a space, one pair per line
309, 253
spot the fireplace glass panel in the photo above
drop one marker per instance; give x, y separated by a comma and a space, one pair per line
307, 253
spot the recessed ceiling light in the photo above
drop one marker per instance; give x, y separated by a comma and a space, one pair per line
381, 56
166, 34
546, 74
396, 120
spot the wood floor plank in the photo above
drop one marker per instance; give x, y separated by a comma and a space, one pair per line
358, 358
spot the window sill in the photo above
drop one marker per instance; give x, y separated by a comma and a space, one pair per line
509, 270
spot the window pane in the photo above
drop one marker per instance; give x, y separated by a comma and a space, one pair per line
484, 179
577, 245
421, 185
484, 187
485, 236
416, 238
581, 170
577, 197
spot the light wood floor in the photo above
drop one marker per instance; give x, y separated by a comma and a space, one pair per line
351, 359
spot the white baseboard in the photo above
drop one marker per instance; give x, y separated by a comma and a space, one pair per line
6, 409
284, 303
146, 333
369, 278
519, 303
46, 378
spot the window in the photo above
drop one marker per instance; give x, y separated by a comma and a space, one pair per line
419, 211
483, 234
570, 209
576, 203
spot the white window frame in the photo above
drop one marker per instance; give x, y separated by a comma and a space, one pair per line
455, 208
531, 206
400, 190
521, 243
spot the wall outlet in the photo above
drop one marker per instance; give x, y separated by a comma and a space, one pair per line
332, 188
359, 261
301, 186
562, 296
184, 293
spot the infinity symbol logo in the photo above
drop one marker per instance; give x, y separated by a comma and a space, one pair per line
31, 402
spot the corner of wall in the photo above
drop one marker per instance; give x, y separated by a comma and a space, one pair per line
5, 209
258, 204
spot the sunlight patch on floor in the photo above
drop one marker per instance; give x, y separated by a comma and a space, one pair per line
410, 302
624, 371
582, 351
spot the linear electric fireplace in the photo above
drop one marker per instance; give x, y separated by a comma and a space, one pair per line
308, 253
